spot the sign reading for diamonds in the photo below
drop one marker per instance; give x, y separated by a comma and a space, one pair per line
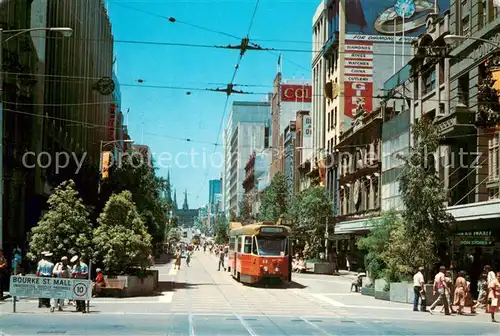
53, 288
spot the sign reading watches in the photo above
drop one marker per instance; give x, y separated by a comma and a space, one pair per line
296, 93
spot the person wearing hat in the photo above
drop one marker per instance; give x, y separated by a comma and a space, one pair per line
44, 270
61, 270
99, 282
80, 270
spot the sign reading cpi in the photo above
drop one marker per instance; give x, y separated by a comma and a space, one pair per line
296, 93
53, 288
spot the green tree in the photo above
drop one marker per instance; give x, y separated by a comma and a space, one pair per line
374, 244
65, 229
309, 211
405, 252
275, 199
134, 174
421, 190
221, 229
121, 240
245, 207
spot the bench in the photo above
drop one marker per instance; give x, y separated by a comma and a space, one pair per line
114, 287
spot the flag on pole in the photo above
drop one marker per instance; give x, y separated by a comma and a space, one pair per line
279, 63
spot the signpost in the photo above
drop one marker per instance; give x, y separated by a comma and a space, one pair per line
54, 288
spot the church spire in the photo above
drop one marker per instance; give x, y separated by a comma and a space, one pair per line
185, 206
168, 192
175, 200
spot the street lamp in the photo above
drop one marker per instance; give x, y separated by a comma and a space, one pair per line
65, 32
456, 38
101, 147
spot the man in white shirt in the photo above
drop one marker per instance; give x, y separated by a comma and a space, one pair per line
439, 288
419, 290
490, 275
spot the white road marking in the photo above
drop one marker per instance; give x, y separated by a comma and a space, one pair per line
328, 300
166, 297
315, 326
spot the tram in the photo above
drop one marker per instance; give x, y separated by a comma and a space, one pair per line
259, 251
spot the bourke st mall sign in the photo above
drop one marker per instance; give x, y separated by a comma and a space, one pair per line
296, 93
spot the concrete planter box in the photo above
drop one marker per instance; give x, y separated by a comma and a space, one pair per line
155, 273
323, 268
382, 296
401, 292
380, 290
368, 291
135, 286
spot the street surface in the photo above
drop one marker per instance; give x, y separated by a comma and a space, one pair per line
199, 300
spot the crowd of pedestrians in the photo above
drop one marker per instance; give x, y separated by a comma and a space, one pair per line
454, 291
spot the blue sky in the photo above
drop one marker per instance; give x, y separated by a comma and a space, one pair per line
159, 117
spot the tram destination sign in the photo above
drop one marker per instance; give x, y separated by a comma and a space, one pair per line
54, 288
270, 229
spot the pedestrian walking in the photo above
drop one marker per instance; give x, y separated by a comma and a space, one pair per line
482, 286
188, 258
460, 292
3, 272
44, 270
80, 271
221, 259
61, 270
419, 290
178, 258
493, 297
440, 289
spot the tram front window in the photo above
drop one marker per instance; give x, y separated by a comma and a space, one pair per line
271, 246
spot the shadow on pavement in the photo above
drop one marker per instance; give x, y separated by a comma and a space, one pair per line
170, 286
280, 285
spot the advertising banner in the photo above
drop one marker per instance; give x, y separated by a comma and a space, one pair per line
296, 93
111, 122
358, 79
356, 94
53, 288
105, 161
380, 20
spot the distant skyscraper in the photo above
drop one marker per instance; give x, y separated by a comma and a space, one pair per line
214, 188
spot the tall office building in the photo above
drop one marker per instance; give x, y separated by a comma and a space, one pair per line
247, 130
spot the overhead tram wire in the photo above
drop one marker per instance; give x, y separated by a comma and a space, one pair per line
243, 47
74, 122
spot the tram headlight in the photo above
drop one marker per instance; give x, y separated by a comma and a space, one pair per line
265, 269
277, 269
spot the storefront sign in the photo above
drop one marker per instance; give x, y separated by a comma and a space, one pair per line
296, 93
475, 238
54, 288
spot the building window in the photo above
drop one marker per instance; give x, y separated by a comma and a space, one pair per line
429, 81
465, 26
482, 14
463, 90
494, 193
494, 157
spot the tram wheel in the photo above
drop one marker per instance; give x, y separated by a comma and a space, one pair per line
238, 277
